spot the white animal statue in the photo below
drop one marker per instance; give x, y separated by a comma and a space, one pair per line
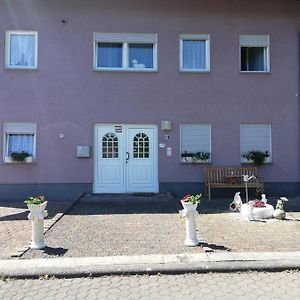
264, 198
237, 202
136, 65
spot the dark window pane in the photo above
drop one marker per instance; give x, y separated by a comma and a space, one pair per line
253, 59
109, 55
141, 56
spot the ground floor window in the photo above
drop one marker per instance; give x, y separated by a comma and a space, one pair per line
255, 138
195, 143
19, 142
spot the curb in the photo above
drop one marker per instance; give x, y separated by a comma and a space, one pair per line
48, 224
150, 264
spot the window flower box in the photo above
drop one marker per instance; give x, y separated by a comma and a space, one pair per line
10, 160
195, 157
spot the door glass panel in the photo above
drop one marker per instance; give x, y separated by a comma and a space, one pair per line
141, 145
110, 147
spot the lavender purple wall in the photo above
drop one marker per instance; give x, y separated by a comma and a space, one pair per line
66, 95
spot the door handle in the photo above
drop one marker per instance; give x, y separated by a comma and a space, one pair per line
127, 157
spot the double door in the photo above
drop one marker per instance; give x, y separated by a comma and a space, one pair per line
125, 159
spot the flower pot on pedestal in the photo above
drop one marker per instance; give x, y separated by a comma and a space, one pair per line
36, 216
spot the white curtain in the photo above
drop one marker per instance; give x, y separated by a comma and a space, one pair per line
20, 142
22, 50
194, 55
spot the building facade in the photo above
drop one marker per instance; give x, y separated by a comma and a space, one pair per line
113, 96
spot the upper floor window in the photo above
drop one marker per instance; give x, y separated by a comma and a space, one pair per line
121, 51
254, 53
194, 52
21, 49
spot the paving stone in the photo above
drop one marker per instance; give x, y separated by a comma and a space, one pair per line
15, 229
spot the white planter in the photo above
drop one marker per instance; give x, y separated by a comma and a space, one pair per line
193, 160
257, 212
36, 216
29, 159
279, 214
187, 160
8, 159
189, 206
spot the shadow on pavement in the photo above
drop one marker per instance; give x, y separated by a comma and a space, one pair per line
123, 204
15, 217
55, 251
214, 246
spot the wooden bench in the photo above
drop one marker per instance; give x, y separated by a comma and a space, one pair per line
219, 178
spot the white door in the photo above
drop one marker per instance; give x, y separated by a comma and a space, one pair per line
125, 159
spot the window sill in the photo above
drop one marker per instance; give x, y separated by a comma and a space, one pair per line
195, 71
21, 68
251, 163
8, 160
256, 72
126, 70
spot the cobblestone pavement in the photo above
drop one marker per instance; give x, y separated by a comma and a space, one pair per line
101, 226
15, 229
251, 285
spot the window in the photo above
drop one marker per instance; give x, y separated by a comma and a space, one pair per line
141, 145
254, 53
110, 146
195, 143
255, 137
21, 49
130, 52
194, 53
18, 138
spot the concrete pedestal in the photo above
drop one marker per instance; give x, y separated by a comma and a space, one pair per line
36, 216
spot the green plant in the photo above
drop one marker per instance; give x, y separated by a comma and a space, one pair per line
202, 155
187, 154
192, 198
196, 155
19, 156
257, 157
36, 200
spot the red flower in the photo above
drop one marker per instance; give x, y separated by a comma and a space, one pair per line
258, 203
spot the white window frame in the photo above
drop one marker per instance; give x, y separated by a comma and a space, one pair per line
18, 128
198, 124
125, 39
8, 34
258, 41
268, 159
195, 37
